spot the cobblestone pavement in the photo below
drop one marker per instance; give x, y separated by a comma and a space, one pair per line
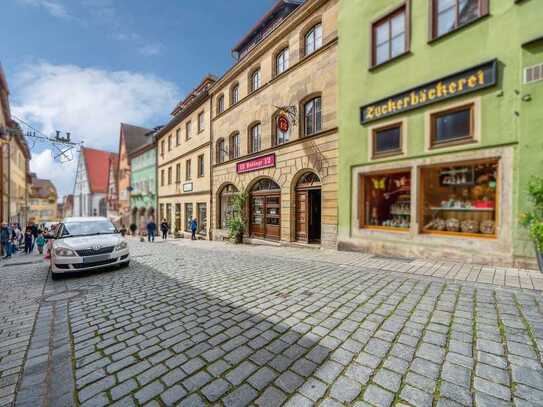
199, 323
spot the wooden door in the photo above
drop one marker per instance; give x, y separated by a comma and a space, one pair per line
258, 227
273, 217
302, 216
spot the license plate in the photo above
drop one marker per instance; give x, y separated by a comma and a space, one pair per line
94, 259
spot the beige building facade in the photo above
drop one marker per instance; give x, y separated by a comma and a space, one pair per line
275, 130
19, 156
43, 201
184, 164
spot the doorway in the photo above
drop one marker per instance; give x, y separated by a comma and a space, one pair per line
265, 210
308, 209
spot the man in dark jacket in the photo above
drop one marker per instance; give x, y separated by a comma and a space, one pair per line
151, 230
164, 228
193, 228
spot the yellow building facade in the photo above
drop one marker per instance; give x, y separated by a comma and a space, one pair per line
43, 201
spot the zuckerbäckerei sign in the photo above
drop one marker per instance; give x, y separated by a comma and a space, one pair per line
457, 84
266, 161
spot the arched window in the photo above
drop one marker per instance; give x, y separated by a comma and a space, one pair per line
279, 134
226, 210
313, 39
312, 116
255, 138
282, 61
221, 152
220, 104
234, 151
265, 184
234, 94
256, 79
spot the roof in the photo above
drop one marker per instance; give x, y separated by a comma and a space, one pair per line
135, 136
42, 188
202, 86
265, 25
97, 164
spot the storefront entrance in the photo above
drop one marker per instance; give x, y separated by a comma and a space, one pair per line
308, 209
265, 210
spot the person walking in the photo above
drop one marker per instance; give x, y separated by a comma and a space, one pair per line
5, 239
164, 228
34, 229
193, 228
151, 230
18, 236
40, 242
29, 245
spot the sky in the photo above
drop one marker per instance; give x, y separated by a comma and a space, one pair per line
85, 66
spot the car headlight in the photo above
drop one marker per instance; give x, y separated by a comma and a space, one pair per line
64, 252
121, 246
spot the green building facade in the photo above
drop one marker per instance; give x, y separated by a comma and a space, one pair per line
441, 127
143, 186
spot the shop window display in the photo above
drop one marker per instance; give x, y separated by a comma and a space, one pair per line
460, 198
387, 200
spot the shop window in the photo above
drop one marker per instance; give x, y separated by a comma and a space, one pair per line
312, 116
169, 214
282, 61
386, 200
255, 138
387, 141
454, 126
226, 200
460, 199
389, 36
234, 146
188, 216
177, 217
313, 39
202, 218
449, 15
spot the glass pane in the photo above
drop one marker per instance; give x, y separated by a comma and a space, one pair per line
468, 11
452, 126
443, 5
310, 42
387, 140
398, 25
286, 58
446, 21
382, 33
318, 36
318, 114
381, 53
397, 46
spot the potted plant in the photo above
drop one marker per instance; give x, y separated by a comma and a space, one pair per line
236, 225
533, 219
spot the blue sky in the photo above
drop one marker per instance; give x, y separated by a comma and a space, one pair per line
86, 65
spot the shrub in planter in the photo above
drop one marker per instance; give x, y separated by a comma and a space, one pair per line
237, 224
533, 219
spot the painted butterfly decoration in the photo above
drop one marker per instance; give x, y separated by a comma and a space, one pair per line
379, 183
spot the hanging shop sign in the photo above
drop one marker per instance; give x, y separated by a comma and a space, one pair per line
254, 164
187, 187
470, 80
282, 123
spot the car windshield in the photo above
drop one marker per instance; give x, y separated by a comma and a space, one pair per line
99, 227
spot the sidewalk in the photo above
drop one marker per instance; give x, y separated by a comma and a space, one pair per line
499, 276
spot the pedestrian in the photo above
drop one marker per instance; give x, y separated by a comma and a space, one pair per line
29, 245
18, 236
5, 236
122, 230
151, 230
164, 228
34, 229
40, 242
193, 228
133, 228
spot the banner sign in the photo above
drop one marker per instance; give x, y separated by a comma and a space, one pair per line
470, 80
266, 161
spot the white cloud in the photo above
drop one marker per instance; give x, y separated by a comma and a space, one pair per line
89, 103
62, 175
150, 50
53, 7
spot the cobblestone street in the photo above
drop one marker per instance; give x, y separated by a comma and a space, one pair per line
201, 323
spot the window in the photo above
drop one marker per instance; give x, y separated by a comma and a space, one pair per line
201, 123
255, 138
255, 80
202, 218
188, 130
221, 153
188, 216
281, 61
226, 201
177, 217
188, 170
234, 146
386, 200
387, 140
448, 15
178, 173
453, 126
162, 147
169, 175
280, 136
460, 198
169, 143
389, 37
177, 137
220, 104
234, 95
201, 166
312, 116
313, 39
169, 214
162, 178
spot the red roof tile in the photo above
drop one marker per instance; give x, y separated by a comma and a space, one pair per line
97, 163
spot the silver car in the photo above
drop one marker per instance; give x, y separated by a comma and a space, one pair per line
82, 244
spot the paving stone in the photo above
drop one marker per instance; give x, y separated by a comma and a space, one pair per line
457, 393
151, 374
262, 378
421, 382
123, 389
193, 400
196, 381
416, 397
215, 390
492, 389
173, 376
359, 373
218, 368
329, 371
345, 389
492, 374
527, 376
271, 397
289, 382
485, 400
298, 401
173, 395
313, 389
377, 396
242, 396
456, 374
240, 373
490, 347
